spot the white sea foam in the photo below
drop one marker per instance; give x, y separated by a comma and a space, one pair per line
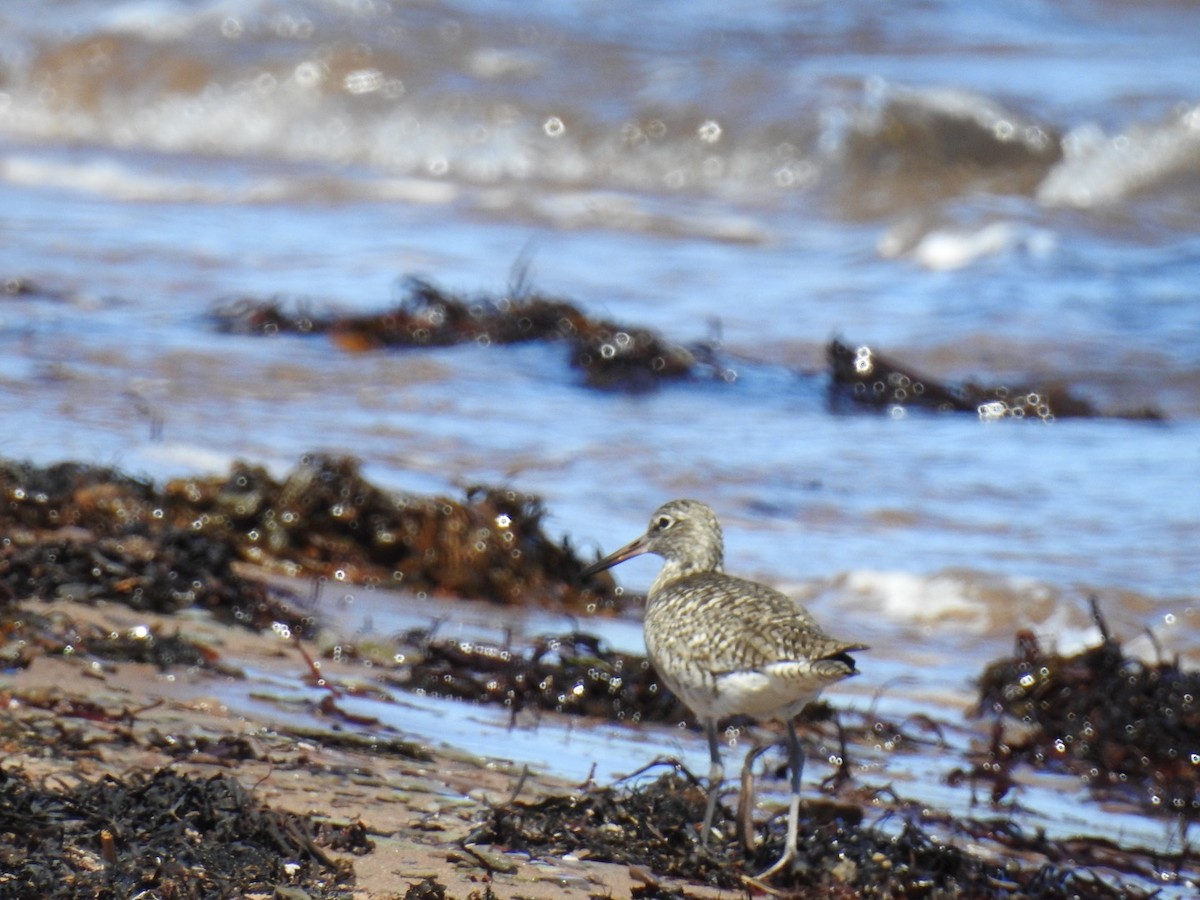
99, 177
948, 249
157, 20
979, 603
1098, 170
986, 610
914, 598
175, 457
117, 181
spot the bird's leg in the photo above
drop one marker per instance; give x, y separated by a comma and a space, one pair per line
796, 764
745, 817
716, 774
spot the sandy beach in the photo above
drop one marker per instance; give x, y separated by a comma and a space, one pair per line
186, 723
416, 802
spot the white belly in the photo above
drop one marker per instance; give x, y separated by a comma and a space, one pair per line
778, 691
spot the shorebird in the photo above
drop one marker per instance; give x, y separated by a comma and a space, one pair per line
727, 646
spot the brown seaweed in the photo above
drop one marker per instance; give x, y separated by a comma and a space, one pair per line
575, 674
653, 823
142, 833
25, 288
624, 357
610, 355
88, 532
1121, 724
863, 378
24, 635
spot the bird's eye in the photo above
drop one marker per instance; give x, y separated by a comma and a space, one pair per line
662, 523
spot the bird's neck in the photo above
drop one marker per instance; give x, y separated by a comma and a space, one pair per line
674, 569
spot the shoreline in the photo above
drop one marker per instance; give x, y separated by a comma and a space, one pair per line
416, 809
416, 817
116, 677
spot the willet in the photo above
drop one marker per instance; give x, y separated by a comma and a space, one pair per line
727, 646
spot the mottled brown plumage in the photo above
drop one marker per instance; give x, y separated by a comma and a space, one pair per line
727, 646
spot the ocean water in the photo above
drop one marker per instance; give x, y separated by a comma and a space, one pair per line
1008, 193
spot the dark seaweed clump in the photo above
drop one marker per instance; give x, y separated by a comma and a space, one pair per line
862, 378
324, 518
23, 636
651, 824
573, 673
86, 532
1121, 724
171, 835
429, 888
608, 354
654, 823
624, 357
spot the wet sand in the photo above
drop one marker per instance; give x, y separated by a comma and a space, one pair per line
370, 812
416, 811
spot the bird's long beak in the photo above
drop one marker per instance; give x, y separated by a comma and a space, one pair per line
630, 550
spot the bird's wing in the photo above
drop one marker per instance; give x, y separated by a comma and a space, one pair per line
738, 625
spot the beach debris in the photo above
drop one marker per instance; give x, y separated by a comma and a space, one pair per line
86, 533
614, 356
863, 378
609, 355
21, 638
143, 832
1128, 728
575, 674
643, 822
428, 888
16, 286
651, 822
325, 519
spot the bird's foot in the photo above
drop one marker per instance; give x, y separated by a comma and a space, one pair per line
758, 883
784, 862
